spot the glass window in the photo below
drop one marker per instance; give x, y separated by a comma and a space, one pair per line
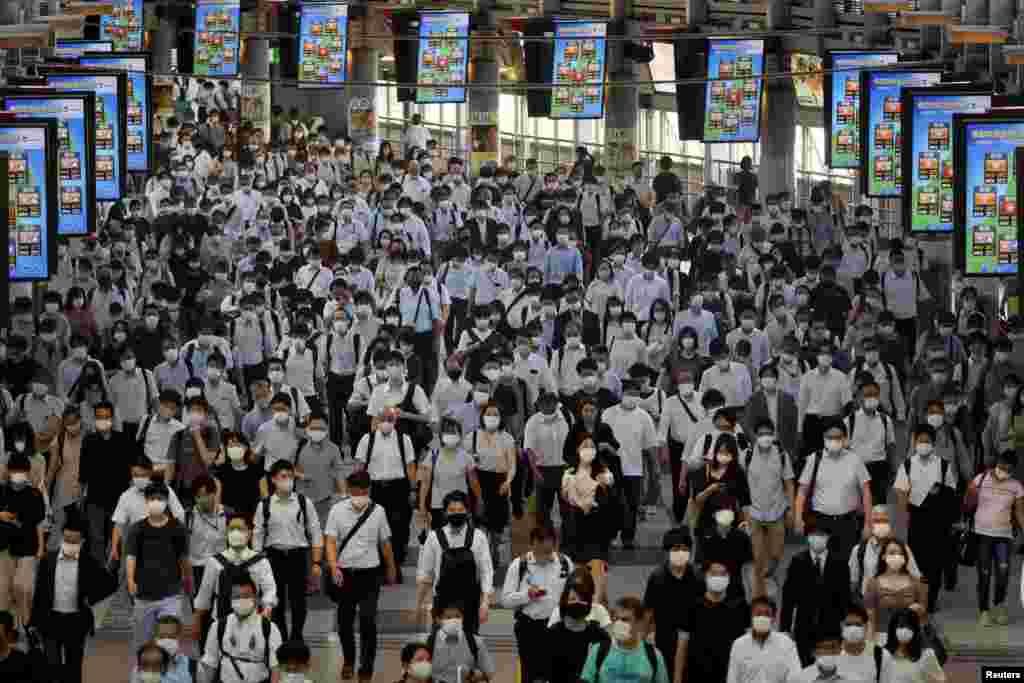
507, 113
545, 128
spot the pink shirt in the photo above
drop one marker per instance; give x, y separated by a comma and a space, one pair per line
995, 505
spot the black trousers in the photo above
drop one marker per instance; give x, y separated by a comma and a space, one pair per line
315, 406
290, 568
547, 492
907, 328
814, 434
930, 540
423, 345
456, 323
533, 647
65, 646
679, 499
393, 496
880, 473
844, 531
361, 592
339, 390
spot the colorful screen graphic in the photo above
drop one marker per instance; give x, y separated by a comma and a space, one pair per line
809, 84
324, 45
216, 41
28, 208
882, 140
444, 53
70, 49
123, 27
990, 196
109, 134
732, 105
844, 104
74, 181
137, 135
929, 177
580, 54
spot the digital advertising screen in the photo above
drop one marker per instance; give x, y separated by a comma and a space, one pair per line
732, 96
69, 49
138, 107
123, 27
986, 192
111, 140
881, 139
216, 39
928, 202
444, 54
842, 103
323, 36
31, 189
808, 80
74, 114
578, 70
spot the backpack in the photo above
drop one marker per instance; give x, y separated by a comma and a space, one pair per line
300, 516
750, 457
229, 571
562, 574
458, 575
401, 450
605, 647
222, 626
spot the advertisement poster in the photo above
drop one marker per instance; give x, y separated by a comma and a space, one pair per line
989, 186
74, 155
810, 86
929, 180
255, 105
323, 40
70, 48
732, 104
444, 56
484, 147
216, 39
29, 215
881, 138
138, 131
579, 66
109, 133
124, 27
362, 121
842, 116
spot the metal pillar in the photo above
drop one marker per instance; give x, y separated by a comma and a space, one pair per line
1001, 13
777, 165
484, 103
623, 100
361, 122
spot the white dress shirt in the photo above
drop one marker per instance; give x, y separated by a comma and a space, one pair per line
773, 661
386, 463
363, 549
429, 567
551, 576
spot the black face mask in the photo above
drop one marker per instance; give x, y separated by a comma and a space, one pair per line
457, 519
577, 610
454, 375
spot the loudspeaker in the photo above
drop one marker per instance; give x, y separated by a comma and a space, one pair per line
690, 57
406, 26
539, 56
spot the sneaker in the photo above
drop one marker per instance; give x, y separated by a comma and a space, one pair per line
1002, 617
984, 620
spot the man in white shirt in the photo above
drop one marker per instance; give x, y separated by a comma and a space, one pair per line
763, 654
680, 415
390, 459
242, 647
727, 376
859, 660
415, 136
416, 187
544, 439
634, 430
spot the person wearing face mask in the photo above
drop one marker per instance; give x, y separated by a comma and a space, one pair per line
939, 379
243, 645
729, 377
628, 652
857, 660
70, 369
157, 564
158, 430
544, 438
873, 437
288, 530
891, 590
168, 637
911, 660
359, 557
926, 487
999, 434
564, 258
670, 586
884, 374
866, 556
771, 401
68, 583
132, 390
63, 473
457, 654
763, 654
824, 393
825, 662
450, 468
48, 349
39, 407
816, 592
22, 510
710, 627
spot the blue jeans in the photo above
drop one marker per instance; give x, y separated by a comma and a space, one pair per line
993, 551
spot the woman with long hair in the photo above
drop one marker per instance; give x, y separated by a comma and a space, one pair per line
911, 662
494, 450
892, 588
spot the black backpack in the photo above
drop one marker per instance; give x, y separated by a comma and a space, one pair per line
229, 571
222, 626
605, 647
458, 575
300, 516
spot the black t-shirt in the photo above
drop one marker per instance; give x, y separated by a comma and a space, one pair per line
665, 183
157, 551
572, 648
671, 599
240, 489
746, 188
105, 467
717, 626
29, 510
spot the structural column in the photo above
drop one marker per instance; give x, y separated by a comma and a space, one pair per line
623, 101
361, 119
484, 102
164, 40
777, 165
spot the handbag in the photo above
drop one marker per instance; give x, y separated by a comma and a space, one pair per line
967, 545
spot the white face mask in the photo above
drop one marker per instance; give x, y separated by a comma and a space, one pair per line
450, 440
316, 435
924, 449
766, 440
237, 538
243, 607
630, 402
761, 624
102, 426
421, 671
491, 422
284, 485
904, 634
150, 676
881, 530
936, 421
587, 455
451, 627
717, 584
621, 631
853, 633
168, 645
834, 445
678, 558
70, 550
895, 562
725, 518
871, 404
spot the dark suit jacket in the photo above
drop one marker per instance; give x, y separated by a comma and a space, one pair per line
787, 429
818, 601
95, 583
